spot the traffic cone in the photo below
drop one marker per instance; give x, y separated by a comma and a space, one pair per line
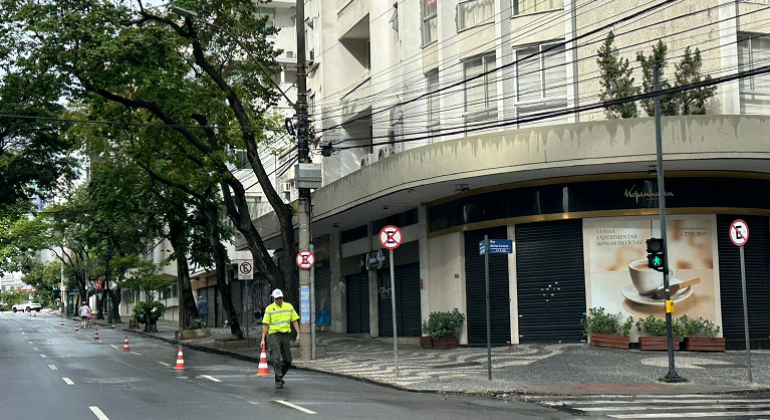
179, 360
262, 369
96, 334
77, 329
62, 322
125, 345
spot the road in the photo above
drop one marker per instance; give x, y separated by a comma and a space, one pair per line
48, 371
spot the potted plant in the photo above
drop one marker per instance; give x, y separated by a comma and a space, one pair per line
442, 327
605, 330
656, 334
700, 334
148, 313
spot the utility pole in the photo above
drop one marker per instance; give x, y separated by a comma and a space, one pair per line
303, 151
672, 376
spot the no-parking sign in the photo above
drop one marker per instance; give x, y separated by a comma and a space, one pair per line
390, 237
739, 232
305, 260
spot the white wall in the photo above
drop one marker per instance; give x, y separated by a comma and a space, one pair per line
446, 285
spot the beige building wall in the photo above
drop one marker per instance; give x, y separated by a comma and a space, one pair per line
447, 276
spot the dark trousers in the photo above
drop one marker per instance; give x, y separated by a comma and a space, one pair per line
279, 353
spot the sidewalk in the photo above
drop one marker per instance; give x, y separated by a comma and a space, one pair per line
517, 370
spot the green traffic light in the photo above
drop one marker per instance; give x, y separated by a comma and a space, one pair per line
656, 261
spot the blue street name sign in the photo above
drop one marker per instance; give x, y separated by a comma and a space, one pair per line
497, 246
305, 304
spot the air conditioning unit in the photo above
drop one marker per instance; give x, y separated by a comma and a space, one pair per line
385, 152
289, 54
367, 160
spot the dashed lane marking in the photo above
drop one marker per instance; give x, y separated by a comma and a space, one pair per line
114, 346
165, 364
296, 407
43, 356
210, 378
35, 348
68, 381
730, 414
135, 353
98, 413
52, 367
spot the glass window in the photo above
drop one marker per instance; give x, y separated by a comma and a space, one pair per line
533, 6
475, 12
429, 21
754, 52
270, 13
541, 81
480, 93
434, 100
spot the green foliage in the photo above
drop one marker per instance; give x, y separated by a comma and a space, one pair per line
615, 80
146, 278
44, 278
9, 298
600, 322
668, 103
685, 326
688, 71
652, 326
148, 312
443, 324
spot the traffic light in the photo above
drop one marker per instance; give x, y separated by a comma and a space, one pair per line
655, 258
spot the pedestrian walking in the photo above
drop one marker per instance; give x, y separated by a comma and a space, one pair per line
276, 325
203, 309
84, 311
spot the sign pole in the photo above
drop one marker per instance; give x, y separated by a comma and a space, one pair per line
393, 305
489, 325
312, 307
745, 312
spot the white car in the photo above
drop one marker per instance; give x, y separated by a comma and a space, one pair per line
28, 306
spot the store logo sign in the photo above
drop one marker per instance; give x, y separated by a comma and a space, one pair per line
643, 195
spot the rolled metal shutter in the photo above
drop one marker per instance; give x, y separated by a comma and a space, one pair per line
550, 281
236, 293
757, 258
211, 299
323, 290
407, 301
475, 289
220, 310
358, 303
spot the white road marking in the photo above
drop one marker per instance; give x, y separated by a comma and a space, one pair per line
296, 407
165, 364
656, 400
254, 402
690, 415
29, 342
135, 353
683, 407
68, 381
35, 348
98, 413
210, 378
52, 367
43, 356
114, 346
22, 333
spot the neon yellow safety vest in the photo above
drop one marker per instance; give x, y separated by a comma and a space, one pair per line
279, 318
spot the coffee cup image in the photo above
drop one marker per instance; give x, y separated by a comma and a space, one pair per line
646, 280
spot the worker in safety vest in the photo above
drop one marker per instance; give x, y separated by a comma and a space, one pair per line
276, 325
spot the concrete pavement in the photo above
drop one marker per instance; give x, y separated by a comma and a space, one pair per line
51, 371
567, 369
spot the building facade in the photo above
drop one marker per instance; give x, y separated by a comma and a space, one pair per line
459, 119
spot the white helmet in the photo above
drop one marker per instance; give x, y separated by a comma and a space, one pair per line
277, 293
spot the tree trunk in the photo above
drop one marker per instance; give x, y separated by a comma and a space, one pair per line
98, 306
220, 261
113, 315
188, 311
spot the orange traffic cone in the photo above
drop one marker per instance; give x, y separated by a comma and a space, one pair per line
179, 360
125, 344
262, 369
62, 322
96, 334
77, 329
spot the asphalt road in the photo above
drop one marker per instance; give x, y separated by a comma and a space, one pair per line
51, 372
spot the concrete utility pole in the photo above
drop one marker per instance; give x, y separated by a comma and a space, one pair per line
303, 151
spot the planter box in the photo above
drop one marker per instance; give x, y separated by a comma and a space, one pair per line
426, 342
235, 344
656, 343
704, 344
609, 341
191, 334
445, 343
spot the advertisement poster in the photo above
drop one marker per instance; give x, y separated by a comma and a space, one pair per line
617, 277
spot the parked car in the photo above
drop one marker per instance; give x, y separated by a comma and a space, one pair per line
30, 305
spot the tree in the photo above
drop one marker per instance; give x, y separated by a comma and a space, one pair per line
44, 278
668, 103
688, 72
188, 75
616, 81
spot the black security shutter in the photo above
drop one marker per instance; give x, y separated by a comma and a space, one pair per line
757, 258
211, 300
358, 303
220, 310
550, 281
475, 289
407, 301
323, 290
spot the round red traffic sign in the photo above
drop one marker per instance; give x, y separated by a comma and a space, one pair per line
390, 237
739, 232
245, 268
305, 260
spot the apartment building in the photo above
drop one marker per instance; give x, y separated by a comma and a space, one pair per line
457, 119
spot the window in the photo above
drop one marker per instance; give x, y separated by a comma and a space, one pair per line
481, 92
541, 79
242, 160
475, 12
754, 52
429, 21
531, 6
270, 13
434, 100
